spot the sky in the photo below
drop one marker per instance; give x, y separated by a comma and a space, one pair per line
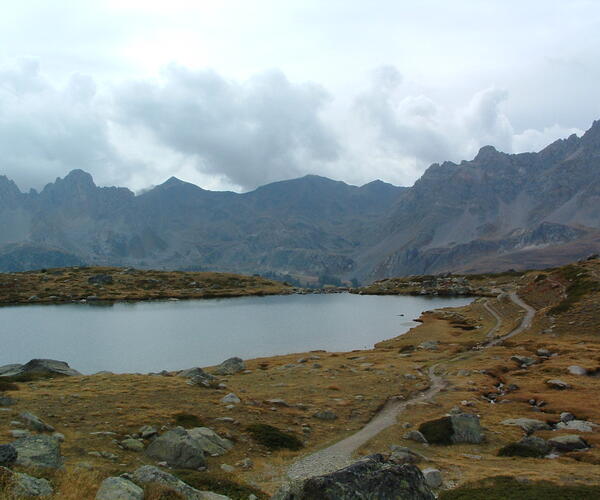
234, 94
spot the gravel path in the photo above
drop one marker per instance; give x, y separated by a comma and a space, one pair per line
339, 455
492, 333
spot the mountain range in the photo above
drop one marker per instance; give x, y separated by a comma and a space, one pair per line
496, 212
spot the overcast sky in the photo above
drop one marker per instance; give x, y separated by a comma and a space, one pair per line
233, 94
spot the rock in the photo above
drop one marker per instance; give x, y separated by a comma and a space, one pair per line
24, 485
577, 370
227, 468
19, 433
404, 455
38, 451
557, 384
35, 423
148, 474
523, 361
429, 345
529, 425
415, 436
6, 370
566, 416
325, 415
147, 431
42, 368
454, 429
210, 441
370, 478
132, 444
119, 488
101, 279
197, 376
577, 425
8, 455
6, 401
568, 442
277, 402
545, 353
246, 464
529, 446
178, 449
433, 478
230, 366
231, 398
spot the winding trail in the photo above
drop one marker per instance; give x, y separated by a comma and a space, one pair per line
492, 333
339, 455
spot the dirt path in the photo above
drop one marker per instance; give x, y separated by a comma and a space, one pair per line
492, 333
339, 455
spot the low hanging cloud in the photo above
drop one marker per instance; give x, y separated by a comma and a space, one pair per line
254, 132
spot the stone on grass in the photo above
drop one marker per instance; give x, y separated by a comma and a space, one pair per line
529, 425
178, 449
453, 429
24, 485
415, 436
558, 384
577, 370
230, 366
529, 446
35, 423
119, 488
523, 361
404, 455
565, 416
568, 442
132, 444
325, 415
577, 425
433, 477
147, 431
210, 441
231, 398
8, 455
38, 451
372, 477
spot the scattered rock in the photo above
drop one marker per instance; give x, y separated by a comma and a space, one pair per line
577, 370
132, 444
101, 279
557, 384
529, 446
149, 474
6, 401
8, 455
19, 433
523, 361
372, 477
429, 345
230, 366
545, 353
147, 431
38, 451
197, 376
227, 468
41, 368
178, 449
325, 415
415, 436
25, 486
277, 402
454, 429
35, 423
433, 478
566, 416
404, 455
568, 442
577, 425
231, 398
529, 425
119, 488
210, 441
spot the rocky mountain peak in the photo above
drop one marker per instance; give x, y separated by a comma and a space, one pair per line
487, 153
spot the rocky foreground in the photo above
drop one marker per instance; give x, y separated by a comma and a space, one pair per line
498, 399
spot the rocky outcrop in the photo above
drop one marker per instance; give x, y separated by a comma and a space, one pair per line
39, 368
453, 429
230, 366
118, 488
21, 485
38, 451
8, 455
35, 423
178, 448
370, 478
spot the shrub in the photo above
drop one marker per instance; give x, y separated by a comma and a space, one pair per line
438, 431
273, 438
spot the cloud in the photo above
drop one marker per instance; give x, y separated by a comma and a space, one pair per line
264, 129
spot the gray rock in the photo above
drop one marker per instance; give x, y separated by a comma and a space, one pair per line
210, 441
531, 446
558, 384
544, 353
35, 423
132, 444
566, 416
6, 401
577, 370
453, 429
59, 436
577, 425
325, 415
404, 455
415, 436
227, 468
147, 431
230, 366
38, 451
119, 488
568, 442
372, 478
231, 398
429, 345
42, 368
101, 279
19, 433
26, 486
523, 361
197, 376
277, 402
6, 370
178, 449
529, 425
149, 474
8, 455
433, 477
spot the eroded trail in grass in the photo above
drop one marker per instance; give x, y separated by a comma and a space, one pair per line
339, 455
491, 334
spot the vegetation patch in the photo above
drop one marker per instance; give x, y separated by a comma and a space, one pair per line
580, 286
438, 431
187, 420
519, 450
273, 438
156, 491
7, 385
508, 488
204, 481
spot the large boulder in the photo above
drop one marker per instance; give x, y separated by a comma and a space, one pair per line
178, 448
40, 368
568, 442
210, 441
119, 488
453, 429
230, 366
197, 376
23, 485
530, 446
8, 455
148, 474
372, 478
38, 451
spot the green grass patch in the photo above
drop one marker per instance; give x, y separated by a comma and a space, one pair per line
579, 287
508, 488
273, 438
205, 481
438, 431
187, 420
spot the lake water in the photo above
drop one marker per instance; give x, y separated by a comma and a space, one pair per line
153, 336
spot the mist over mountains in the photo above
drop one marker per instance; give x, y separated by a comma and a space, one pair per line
496, 212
